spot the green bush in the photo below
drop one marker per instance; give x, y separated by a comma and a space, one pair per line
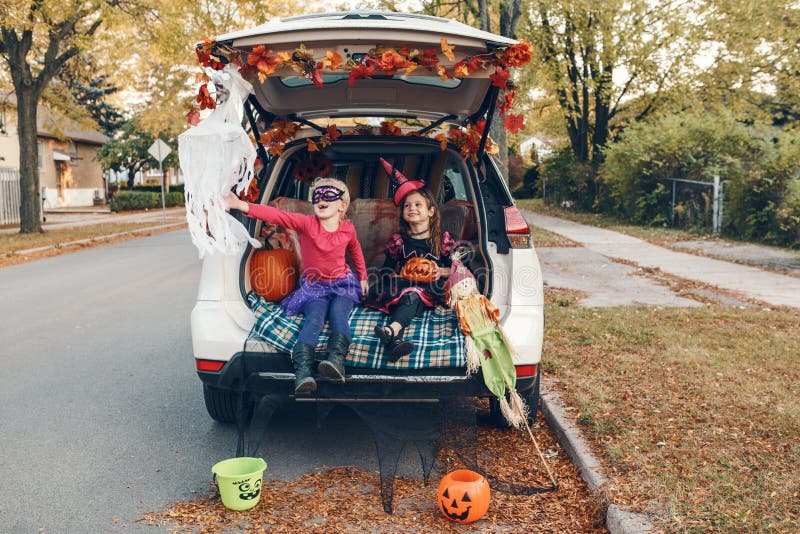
139, 200
758, 168
156, 188
567, 182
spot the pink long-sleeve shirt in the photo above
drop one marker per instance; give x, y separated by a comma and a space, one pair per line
323, 251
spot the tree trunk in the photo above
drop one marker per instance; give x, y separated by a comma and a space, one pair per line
131, 176
30, 195
510, 11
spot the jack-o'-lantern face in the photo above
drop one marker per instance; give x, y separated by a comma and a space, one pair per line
464, 496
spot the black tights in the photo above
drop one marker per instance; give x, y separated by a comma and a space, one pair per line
408, 307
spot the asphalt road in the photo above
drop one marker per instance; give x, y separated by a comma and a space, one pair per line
101, 412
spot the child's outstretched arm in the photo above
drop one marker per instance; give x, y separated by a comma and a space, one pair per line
295, 221
232, 202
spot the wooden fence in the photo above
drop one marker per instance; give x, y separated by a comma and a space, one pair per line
9, 196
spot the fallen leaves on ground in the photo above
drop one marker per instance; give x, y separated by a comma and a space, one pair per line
347, 499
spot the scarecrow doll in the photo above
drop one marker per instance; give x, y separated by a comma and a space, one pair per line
488, 347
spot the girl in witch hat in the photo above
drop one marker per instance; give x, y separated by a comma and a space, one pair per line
416, 266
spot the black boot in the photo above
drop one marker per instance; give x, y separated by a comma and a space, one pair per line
333, 366
303, 358
395, 347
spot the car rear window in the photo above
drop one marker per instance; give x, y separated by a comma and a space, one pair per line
434, 81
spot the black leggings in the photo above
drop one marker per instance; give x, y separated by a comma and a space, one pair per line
408, 307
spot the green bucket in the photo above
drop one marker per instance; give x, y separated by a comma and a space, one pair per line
239, 481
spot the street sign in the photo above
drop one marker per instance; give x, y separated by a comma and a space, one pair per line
159, 150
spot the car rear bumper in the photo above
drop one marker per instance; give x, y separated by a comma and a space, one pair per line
263, 373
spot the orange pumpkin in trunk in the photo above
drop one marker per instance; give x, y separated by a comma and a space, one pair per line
273, 273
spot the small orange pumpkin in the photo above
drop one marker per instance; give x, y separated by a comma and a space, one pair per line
464, 496
273, 273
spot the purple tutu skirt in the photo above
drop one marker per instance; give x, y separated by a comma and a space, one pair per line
348, 286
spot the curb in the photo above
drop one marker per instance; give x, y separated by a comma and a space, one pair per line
618, 520
91, 239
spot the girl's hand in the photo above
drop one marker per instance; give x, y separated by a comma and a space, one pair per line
442, 272
232, 202
364, 288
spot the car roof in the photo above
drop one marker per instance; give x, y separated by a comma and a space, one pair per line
342, 22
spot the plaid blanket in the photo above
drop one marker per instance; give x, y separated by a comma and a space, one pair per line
438, 341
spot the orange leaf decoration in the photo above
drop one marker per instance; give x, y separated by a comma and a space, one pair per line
447, 49
284, 58
460, 70
390, 62
508, 101
475, 63
332, 60
193, 117
261, 59
360, 70
312, 146
332, 132
388, 128
517, 55
514, 123
443, 74
500, 77
205, 99
442, 138
252, 193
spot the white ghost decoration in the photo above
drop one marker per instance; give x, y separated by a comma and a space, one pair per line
215, 156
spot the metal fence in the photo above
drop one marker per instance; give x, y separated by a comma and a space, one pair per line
9, 196
697, 203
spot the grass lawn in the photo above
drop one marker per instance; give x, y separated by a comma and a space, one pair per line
654, 234
694, 410
545, 238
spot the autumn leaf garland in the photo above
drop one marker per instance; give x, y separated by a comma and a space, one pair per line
260, 62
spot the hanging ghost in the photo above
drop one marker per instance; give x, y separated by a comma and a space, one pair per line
487, 345
217, 156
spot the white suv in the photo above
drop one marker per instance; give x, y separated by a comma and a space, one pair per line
476, 206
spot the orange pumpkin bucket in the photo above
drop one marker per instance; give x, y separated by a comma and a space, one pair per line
464, 496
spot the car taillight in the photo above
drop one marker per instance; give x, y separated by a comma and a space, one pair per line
517, 230
209, 365
524, 371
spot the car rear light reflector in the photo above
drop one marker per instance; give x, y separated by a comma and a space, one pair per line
210, 365
525, 370
517, 229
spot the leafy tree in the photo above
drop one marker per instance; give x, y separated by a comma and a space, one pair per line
38, 38
496, 16
603, 58
165, 74
128, 151
753, 58
90, 89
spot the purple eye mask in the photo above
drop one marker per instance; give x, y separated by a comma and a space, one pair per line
328, 193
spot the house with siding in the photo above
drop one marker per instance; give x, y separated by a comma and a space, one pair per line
68, 174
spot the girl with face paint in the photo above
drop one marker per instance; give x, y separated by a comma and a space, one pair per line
328, 288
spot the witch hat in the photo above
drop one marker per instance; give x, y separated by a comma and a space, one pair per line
403, 184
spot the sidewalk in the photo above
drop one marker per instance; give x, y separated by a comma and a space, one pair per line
774, 289
71, 219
